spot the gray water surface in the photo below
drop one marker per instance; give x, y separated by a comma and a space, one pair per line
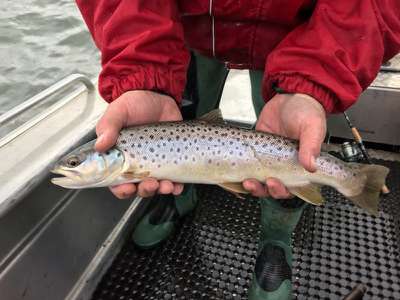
41, 41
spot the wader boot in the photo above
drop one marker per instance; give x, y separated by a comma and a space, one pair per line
273, 270
162, 217
159, 222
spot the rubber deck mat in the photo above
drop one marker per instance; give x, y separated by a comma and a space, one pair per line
212, 253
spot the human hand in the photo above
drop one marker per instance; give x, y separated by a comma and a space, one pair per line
136, 108
296, 116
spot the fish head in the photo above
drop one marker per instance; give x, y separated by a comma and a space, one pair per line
85, 167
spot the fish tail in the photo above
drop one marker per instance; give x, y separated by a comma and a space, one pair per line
368, 199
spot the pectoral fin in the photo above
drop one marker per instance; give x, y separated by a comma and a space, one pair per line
132, 175
310, 193
235, 188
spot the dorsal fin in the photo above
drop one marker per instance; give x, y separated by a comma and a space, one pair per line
214, 116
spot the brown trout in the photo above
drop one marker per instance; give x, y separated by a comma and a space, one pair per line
208, 151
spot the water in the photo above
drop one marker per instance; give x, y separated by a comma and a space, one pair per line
41, 41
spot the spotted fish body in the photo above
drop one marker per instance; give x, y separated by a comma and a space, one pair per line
201, 152
214, 153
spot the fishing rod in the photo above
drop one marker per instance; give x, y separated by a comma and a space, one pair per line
360, 143
357, 293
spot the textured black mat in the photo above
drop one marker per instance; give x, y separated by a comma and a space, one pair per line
212, 254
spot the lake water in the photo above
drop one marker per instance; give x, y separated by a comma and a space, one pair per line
41, 41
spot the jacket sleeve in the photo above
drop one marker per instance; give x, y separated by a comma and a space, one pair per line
337, 53
141, 43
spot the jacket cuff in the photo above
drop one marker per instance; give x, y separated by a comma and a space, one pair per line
297, 83
148, 78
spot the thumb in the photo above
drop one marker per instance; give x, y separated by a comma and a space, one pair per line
311, 138
107, 129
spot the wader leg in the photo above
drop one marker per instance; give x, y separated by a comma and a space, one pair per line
162, 218
273, 270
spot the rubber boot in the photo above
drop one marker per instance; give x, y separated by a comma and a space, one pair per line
162, 218
273, 270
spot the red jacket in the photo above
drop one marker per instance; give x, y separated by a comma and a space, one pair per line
331, 50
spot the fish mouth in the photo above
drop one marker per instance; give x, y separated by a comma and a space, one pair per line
67, 180
64, 182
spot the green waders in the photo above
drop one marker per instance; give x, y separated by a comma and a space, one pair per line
272, 274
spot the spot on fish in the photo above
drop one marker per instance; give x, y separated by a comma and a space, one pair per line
151, 149
144, 158
123, 141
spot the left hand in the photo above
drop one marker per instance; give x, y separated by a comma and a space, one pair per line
296, 116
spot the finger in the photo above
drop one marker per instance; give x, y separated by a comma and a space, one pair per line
123, 191
107, 129
311, 138
166, 187
148, 188
277, 190
178, 189
255, 188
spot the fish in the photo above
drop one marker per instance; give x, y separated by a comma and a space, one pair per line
210, 151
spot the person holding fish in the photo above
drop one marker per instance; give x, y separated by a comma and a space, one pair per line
306, 59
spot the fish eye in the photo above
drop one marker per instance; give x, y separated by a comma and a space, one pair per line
73, 161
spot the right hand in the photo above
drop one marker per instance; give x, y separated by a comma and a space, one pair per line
137, 108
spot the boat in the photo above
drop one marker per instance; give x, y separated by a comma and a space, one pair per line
75, 244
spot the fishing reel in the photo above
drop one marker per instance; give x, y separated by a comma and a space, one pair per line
351, 152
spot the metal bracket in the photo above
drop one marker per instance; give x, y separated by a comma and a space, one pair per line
58, 86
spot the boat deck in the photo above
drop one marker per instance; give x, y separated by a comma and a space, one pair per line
212, 253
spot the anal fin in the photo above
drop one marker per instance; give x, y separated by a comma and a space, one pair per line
235, 188
310, 193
